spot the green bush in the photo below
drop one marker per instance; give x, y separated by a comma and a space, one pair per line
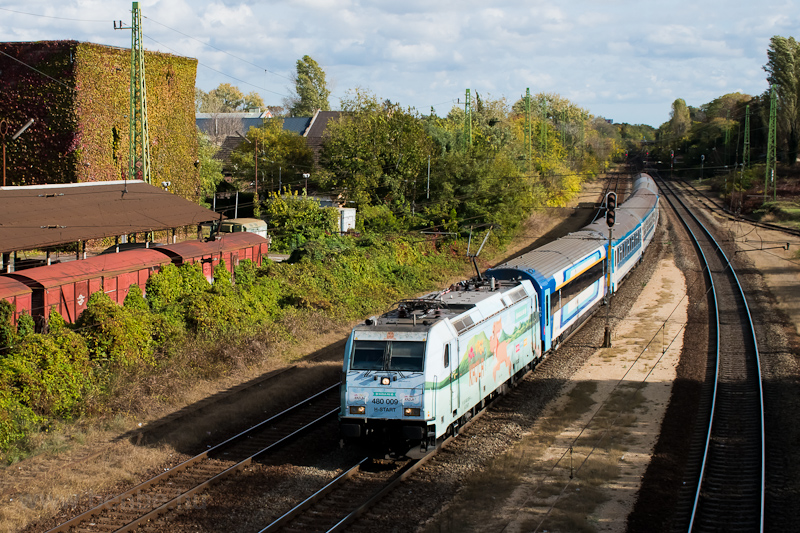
222, 278
6, 328
164, 288
114, 334
50, 374
135, 299
25, 325
17, 421
244, 274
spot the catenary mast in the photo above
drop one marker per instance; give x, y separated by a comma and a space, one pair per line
139, 162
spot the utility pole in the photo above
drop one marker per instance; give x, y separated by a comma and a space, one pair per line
771, 141
468, 121
139, 162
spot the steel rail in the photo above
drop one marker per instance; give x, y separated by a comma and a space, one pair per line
397, 478
709, 435
183, 497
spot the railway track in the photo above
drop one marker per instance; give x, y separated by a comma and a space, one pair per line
724, 480
340, 504
337, 505
179, 486
714, 205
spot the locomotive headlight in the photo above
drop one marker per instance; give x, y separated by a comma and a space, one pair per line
411, 411
385, 381
358, 409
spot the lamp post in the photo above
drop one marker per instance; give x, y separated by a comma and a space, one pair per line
254, 142
3, 132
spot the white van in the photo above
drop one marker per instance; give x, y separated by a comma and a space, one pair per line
235, 225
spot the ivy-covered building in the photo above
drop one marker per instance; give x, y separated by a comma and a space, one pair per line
79, 95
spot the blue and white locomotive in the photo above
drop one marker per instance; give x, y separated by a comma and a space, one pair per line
413, 375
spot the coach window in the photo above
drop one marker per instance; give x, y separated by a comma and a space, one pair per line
547, 310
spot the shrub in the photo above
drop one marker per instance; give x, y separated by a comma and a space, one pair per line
244, 274
25, 325
50, 374
164, 288
222, 278
17, 421
135, 299
116, 334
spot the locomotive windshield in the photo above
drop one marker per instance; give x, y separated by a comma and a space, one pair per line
403, 356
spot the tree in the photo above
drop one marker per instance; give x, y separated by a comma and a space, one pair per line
280, 153
226, 98
210, 168
310, 86
377, 151
252, 102
230, 96
680, 120
783, 67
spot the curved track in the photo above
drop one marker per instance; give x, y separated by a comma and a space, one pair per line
725, 476
179, 486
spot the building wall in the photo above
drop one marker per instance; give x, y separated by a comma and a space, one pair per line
81, 131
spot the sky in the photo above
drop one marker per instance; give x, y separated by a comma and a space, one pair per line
623, 60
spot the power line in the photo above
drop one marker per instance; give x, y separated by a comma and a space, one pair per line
217, 71
36, 70
51, 17
220, 50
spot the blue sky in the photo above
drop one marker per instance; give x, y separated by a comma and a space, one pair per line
623, 60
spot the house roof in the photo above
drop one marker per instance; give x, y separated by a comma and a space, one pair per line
312, 128
298, 125
317, 128
39, 216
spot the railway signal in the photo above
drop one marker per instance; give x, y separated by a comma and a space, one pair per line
611, 206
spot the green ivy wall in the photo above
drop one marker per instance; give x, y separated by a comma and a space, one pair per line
80, 100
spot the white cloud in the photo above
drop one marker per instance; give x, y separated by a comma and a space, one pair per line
620, 58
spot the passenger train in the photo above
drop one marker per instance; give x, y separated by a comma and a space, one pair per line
415, 374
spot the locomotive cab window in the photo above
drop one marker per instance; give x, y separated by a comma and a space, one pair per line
388, 355
447, 356
368, 355
407, 356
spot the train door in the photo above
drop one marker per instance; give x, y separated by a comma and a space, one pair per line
546, 325
451, 367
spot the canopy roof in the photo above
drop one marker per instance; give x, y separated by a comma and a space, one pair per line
39, 216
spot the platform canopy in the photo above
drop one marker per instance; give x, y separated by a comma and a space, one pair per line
40, 216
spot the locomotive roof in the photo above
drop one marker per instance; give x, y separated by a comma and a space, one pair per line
421, 313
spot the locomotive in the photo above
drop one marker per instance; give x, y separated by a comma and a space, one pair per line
416, 374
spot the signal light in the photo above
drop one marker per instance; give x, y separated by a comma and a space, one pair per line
611, 206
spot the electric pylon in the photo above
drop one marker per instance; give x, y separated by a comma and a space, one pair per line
543, 129
771, 141
528, 127
139, 162
746, 145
